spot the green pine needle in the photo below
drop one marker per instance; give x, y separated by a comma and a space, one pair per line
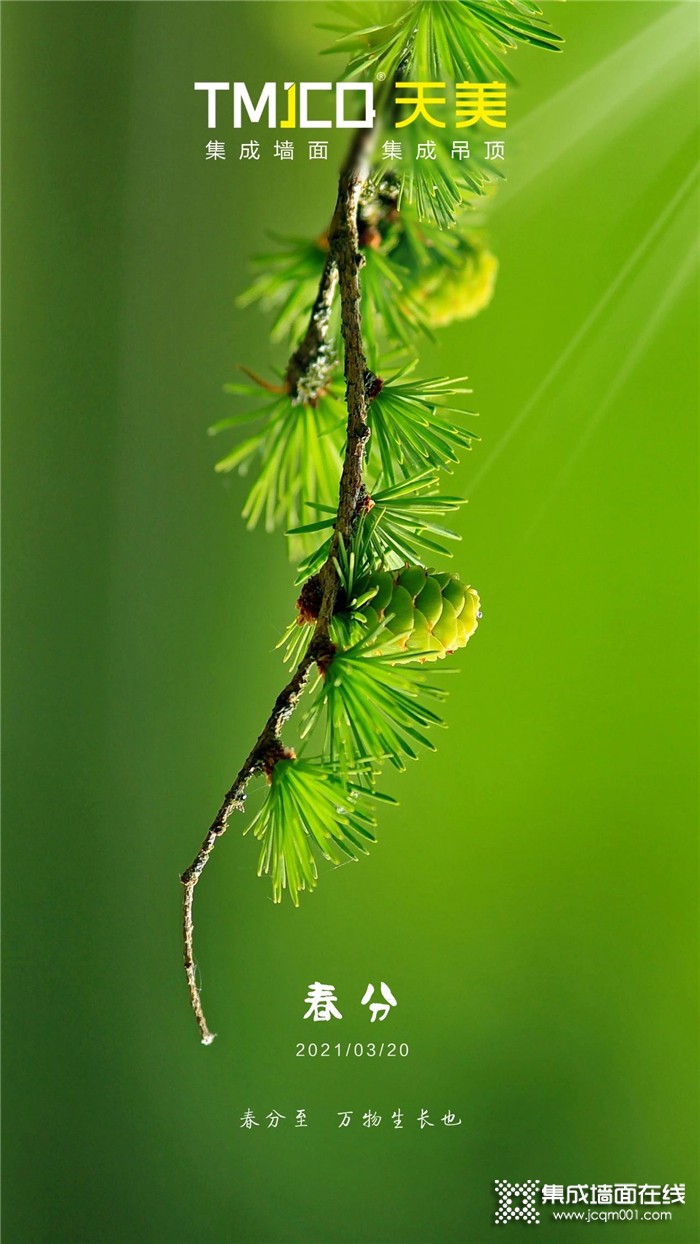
446, 41
296, 452
311, 808
399, 528
410, 431
287, 284
373, 706
439, 189
435, 40
295, 641
387, 303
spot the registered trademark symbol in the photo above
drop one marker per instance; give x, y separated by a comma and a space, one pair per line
381, 76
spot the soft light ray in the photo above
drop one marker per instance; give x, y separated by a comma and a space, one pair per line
663, 308
593, 316
643, 71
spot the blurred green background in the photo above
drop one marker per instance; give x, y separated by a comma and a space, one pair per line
532, 902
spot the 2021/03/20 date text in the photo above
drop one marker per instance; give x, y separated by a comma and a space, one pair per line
353, 1049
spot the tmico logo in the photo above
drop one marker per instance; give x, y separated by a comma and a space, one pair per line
517, 1202
297, 104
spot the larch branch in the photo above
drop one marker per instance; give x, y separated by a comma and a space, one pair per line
341, 269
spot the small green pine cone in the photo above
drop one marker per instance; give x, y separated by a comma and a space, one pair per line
429, 612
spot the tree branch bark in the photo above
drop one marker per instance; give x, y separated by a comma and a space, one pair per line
313, 359
342, 268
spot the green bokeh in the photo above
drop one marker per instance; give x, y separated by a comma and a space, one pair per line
532, 902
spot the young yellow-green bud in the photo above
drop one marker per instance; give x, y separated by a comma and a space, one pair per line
429, 612
448, 294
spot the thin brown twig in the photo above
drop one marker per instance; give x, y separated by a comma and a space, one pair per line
260, 380
342, 268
